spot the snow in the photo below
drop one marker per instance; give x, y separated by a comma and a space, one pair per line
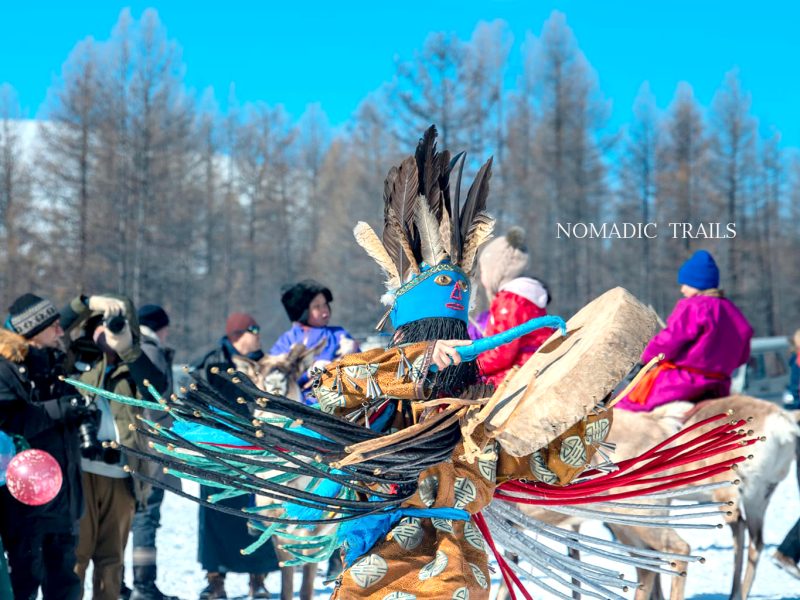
27, 132
180, 574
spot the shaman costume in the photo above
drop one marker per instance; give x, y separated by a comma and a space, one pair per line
433, 541
399, 459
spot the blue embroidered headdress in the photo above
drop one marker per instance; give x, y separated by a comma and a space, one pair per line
429, 242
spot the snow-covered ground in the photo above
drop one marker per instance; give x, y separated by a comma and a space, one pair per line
180, 574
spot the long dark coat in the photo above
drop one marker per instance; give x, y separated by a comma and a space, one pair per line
221, 537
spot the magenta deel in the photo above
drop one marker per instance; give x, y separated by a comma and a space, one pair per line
703, 333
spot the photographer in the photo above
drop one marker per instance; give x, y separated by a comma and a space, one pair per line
119, 366
40, 540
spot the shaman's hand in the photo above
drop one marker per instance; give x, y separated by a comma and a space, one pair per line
445, 353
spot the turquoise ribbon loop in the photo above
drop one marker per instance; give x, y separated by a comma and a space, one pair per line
478, 347
475, 349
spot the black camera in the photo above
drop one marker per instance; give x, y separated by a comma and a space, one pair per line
115, 324
88, 416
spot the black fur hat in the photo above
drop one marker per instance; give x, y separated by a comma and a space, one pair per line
297, 298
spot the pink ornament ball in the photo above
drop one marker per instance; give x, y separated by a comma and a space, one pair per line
34, 477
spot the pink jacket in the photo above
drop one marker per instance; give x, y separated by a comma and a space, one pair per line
707, 336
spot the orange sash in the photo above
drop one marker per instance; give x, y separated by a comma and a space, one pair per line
641, 392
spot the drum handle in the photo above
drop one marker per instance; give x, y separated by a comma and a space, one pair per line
478, 347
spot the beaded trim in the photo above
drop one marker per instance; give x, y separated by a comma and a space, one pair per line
423, 276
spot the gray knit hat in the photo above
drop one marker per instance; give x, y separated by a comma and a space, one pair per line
503, 259
30, 314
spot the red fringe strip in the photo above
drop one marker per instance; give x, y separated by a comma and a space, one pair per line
641, 471
512, 581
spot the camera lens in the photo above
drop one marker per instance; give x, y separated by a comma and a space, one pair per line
111, 456
88, 434
88, 443
115, 324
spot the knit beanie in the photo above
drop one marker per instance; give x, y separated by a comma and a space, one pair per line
30, 314
700, 271
238, 324
153, 317
503, 259
297, 298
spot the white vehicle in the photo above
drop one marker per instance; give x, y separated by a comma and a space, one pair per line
766, 374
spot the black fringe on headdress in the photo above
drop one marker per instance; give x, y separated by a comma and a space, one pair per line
453, 381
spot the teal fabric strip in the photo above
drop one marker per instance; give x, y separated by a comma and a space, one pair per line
359, 535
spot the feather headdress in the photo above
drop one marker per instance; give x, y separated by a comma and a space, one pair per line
424, 225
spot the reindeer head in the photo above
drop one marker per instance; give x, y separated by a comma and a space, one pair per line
278, 374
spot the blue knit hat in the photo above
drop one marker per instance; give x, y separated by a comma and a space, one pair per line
700, 271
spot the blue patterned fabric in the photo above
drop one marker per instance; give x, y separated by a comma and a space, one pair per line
361, 534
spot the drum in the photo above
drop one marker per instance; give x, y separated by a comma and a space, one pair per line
569, 376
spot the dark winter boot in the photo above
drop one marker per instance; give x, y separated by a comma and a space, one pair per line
215, 588
124, 591
257, 587
144, 585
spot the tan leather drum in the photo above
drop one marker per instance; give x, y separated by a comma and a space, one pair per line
568, 376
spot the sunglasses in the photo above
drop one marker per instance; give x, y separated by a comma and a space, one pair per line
254, 329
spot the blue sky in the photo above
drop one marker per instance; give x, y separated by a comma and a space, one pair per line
335, 53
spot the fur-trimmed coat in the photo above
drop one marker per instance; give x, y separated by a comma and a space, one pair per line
29, 407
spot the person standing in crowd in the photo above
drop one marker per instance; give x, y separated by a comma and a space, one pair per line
308, 306
40, 540
705, 339
513, 300
221, 536
154, 327
787, 556
122, 366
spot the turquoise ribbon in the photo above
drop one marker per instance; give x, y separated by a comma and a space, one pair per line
478, 347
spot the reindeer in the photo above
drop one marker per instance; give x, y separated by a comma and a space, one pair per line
633, 433
278, 375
